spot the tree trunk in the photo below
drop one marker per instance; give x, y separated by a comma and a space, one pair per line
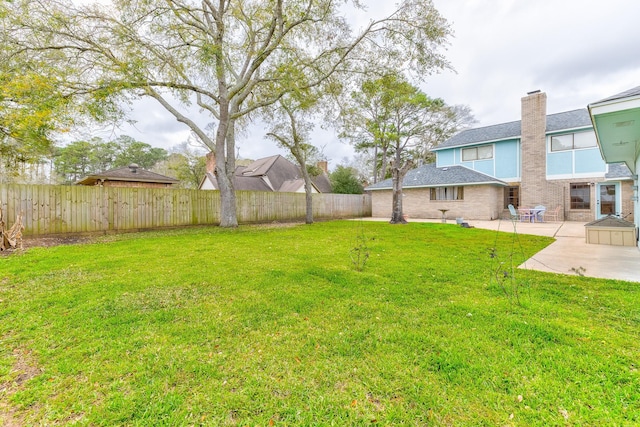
308, 185
375, 163
308, 190
398, 174
225, 160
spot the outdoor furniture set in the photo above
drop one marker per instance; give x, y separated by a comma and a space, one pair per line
535, 214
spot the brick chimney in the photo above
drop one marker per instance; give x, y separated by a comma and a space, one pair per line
324, 166
534, 151
211, 162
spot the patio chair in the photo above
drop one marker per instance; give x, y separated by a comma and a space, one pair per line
520, 214
526, 214
552, 215
538, 213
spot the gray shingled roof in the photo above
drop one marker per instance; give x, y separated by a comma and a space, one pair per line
127, 173
569, 120
555, 122
260, 167
626, 94
431, 176
322, 183
618, 171
291, 185
273, 173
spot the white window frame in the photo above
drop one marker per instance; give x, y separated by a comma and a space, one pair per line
448, 193
476, 153
572, 135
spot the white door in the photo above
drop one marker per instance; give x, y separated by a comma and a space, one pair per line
607, 199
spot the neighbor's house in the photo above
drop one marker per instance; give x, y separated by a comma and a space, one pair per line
551, 160
129, 176
617, 125
273, 174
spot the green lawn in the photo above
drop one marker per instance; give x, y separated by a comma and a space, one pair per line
276, 326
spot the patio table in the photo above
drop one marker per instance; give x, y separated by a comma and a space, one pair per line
531, 214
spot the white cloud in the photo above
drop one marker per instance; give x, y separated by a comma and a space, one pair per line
577, 51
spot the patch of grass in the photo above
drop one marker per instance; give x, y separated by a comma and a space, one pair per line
262, 326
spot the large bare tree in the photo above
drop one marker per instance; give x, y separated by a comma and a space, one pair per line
228, 58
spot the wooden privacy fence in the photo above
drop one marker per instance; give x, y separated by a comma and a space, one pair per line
53, 209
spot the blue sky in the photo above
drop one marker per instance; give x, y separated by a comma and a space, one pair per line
577, 51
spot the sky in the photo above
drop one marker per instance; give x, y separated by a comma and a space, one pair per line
576, 51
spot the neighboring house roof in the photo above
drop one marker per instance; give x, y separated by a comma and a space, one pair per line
274, 173
292, 185
618, 171
431, 176
131, 173
322, 183
574, 119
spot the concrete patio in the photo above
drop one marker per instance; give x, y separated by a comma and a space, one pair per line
569, 252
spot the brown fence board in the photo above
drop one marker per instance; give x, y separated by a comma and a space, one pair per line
50, 209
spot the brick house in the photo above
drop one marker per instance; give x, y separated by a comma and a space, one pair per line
551, 160
129, 176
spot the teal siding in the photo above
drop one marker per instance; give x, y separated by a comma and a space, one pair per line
445, 158
507, 159
505, 162
483, 166
560, 163
589, 161
579, 162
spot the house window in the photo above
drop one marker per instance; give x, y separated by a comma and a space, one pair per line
512, 196
447, 193
573, 141
477, 153
580, 196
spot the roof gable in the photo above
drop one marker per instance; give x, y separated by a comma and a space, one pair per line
282, 170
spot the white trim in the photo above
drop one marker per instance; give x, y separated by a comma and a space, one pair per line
549, 136
266, 180
614, 106
483, 142
598, 200
569, 130
575, 176
511, 179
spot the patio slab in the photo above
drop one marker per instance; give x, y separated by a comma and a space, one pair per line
570, 253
